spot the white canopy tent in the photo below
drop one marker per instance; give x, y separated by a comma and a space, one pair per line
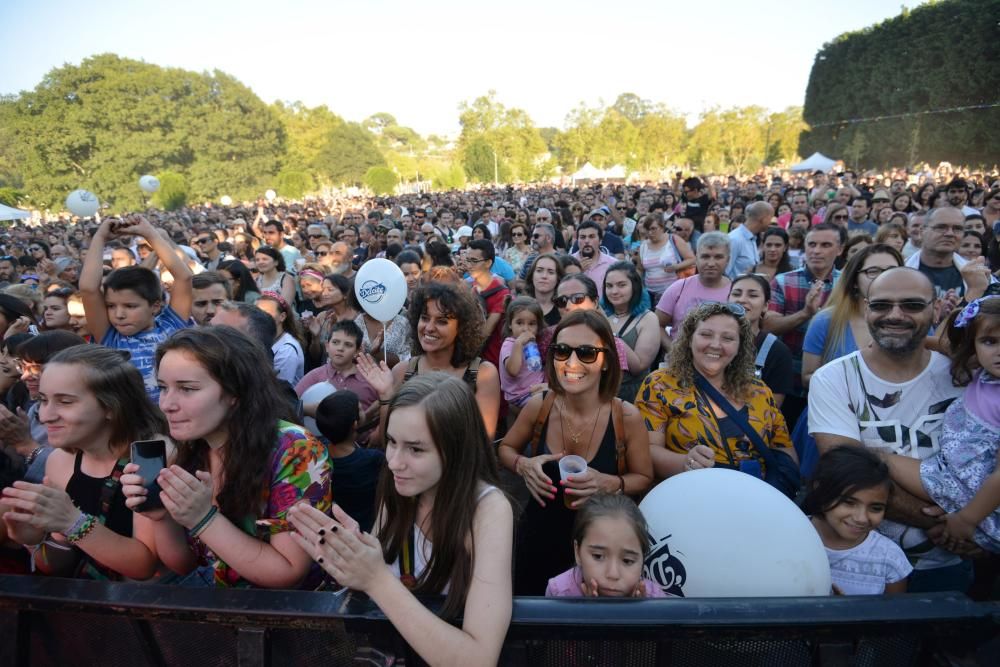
8, 213
586, 173
816, 161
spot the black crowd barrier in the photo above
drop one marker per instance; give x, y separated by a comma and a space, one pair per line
62, 622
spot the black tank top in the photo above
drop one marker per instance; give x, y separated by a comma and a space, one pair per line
85, 492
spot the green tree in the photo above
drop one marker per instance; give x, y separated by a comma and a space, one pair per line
508, 131
11, 196
101, 124
347, 153
294, 184
381, 180
307, 130
732, 140
481, 162
174, 191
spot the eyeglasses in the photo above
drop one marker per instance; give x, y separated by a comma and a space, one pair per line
585, 354
873, 272
474, 260
840, 217
907, 305
575, 299
317, 236
203, 241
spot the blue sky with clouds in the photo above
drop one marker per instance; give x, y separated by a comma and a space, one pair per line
419, 60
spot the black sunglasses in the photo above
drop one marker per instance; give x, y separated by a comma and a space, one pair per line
575, 299
322, 253
203, 241
908, 306
585, 354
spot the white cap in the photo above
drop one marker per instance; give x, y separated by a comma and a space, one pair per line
464, 230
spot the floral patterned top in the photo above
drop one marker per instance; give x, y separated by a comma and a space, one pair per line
300, 470
686, 419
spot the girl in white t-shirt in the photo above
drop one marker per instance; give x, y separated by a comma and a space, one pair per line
846, 503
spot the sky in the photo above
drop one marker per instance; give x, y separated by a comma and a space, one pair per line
419, 60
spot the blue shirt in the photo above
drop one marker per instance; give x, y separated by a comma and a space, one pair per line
142, 346
816, 335
502, 268
742, 252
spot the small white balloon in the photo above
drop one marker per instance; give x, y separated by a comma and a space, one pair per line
226, 200
315, 394
380, 288
82, 203
270, 195
149, 183
723, 533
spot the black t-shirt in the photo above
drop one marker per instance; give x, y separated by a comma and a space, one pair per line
778, 373
355, 478
944, 279
610, 242
696, 209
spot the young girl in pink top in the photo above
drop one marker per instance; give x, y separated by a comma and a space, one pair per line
524, 321
611, 542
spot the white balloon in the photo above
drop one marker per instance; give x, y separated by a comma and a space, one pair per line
724, 533
380, 288
315, 394
149, 183
270, 195
82, 203
226, 200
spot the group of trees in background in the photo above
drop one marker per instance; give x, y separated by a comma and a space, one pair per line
100, 124
881, 96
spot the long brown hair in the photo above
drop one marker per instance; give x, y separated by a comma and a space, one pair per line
467, 458
611, 377
240, 365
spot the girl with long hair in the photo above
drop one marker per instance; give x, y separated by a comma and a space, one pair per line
289, 359
443, 527
543, 280
240, 466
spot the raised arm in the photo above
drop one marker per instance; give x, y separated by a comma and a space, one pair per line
181, 294
91, 276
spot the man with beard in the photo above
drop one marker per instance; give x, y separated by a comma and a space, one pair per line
594, 263
543, 240
958, 196
891, 397
339, 260
8, 269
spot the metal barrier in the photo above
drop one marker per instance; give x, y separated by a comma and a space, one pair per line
64, 622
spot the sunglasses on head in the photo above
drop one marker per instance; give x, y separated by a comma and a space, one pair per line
907, 305
585, 354
575, 299
734, 308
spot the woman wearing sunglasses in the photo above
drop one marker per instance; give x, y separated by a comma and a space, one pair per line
688, 428
520, 247
579, 415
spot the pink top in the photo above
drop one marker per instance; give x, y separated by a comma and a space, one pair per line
566, 585
982, 397
516, 386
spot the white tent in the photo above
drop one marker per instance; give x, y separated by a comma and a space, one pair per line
587, 172
615, 173
816, 161
8, 213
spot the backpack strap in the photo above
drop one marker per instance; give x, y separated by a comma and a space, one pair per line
471, 374
618, 420
765, 349
411, 368
543, 414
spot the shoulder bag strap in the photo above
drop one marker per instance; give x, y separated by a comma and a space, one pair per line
543, 415
737, 418
624, 327
411, 368
618, 420
765, 349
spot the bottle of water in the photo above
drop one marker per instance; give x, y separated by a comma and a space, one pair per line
532, 357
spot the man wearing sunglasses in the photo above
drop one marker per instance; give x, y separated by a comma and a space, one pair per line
207, 247
891, 396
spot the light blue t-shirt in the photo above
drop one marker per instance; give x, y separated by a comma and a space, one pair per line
502, 268
143, 346
819, 328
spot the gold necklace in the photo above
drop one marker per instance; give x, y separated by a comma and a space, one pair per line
575, 437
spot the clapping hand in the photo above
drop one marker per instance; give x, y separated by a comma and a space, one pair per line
187, 497
42, 506
354, 559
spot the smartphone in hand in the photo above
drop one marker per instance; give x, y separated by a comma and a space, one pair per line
151, 457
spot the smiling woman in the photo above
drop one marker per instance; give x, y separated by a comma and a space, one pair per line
688, 428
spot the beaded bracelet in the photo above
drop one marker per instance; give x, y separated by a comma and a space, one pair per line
81, 528
200, 527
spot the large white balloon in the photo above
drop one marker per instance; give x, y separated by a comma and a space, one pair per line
315, 394
270, 195
724, 533
380, 288
82, 203
149, 183
226, 200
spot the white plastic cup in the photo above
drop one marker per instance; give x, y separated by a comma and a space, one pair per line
571, 465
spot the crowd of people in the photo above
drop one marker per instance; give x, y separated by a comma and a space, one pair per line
837, 337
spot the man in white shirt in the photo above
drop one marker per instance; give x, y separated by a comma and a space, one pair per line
892, 396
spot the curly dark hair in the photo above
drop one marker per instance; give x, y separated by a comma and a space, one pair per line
455, 301
740, 372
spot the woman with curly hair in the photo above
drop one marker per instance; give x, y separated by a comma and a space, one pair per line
688, 429
446, 325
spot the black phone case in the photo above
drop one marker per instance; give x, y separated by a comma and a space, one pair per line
141, 450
